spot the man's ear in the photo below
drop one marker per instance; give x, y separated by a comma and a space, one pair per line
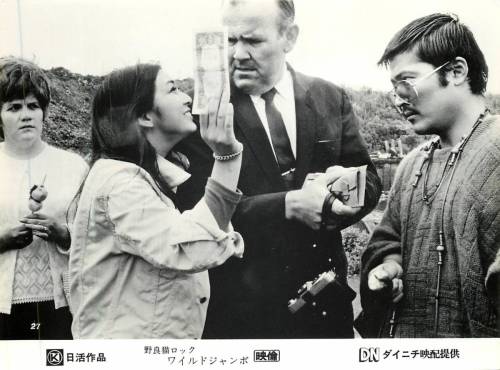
146, 120
291, 34
459, 71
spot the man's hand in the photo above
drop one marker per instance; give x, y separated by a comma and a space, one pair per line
47, 228
16, 237
305, 205
386, 274
334, 173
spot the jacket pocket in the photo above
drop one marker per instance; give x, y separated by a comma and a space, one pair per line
325, 154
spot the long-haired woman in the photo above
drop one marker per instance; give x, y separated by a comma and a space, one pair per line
138, 266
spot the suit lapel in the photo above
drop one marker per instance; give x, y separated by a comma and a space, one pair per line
256, 139
306, 128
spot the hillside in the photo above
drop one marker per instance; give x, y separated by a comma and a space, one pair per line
68, 126
68, 123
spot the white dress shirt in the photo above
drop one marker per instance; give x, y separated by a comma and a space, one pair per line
284, 100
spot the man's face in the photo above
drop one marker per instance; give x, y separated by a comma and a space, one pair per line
22, 120
434, 110
257, 49
171, 112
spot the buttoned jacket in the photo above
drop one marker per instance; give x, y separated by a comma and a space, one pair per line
250, 296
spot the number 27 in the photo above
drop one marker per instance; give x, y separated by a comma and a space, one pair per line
35, 326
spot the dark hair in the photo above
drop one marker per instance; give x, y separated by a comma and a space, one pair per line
18, 79
437, 39
124, 96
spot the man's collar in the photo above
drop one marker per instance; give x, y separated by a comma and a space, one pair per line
284, 86
173, 174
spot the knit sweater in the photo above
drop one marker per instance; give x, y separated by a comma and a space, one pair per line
36, 273
469, 288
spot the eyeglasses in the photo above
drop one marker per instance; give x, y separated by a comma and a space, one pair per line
406, 90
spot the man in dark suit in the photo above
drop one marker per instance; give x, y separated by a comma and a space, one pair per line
290, 125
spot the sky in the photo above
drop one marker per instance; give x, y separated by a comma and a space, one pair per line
339, 40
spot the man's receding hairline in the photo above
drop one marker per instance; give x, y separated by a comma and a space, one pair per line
281, 20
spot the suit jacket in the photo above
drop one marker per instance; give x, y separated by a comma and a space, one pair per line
249, 296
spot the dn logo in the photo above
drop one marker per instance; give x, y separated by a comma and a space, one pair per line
371, 354
55, 357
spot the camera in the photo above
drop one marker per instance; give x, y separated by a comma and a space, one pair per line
310, 290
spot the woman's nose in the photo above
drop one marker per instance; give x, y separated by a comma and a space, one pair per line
188, 99
26, 114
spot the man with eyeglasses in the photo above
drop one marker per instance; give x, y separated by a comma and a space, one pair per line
290, 125
431, 268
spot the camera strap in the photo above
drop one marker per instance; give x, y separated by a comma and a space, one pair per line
326, 211
323, 234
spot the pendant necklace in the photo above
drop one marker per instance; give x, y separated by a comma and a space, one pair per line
428, 195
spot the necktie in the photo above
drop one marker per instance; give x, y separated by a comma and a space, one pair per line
279, 136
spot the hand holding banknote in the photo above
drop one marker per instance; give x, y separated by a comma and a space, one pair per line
216, 127
211, 102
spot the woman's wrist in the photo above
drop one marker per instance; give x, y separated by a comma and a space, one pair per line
227, 173
230, 156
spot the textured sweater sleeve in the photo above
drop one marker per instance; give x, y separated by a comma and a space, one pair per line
386, 238
489, 229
